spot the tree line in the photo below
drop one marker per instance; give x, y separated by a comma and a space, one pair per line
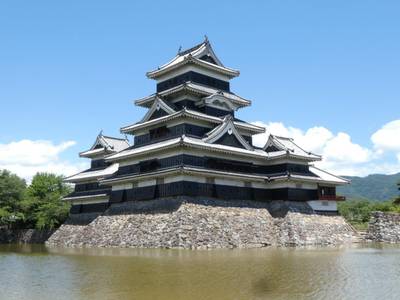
358, 212
38, 205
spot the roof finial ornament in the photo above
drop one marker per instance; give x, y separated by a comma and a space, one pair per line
206, 39
180, 49
101, 132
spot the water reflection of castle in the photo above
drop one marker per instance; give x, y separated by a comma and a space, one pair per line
190, 143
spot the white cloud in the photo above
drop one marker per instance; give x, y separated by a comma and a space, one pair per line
387, 138
340, 154
33, 153
341, 149
26, 157
314, 137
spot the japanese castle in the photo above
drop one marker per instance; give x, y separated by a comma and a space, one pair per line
190, 144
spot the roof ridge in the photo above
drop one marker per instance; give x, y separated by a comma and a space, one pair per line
195, 47
294, 143
103, 138
184, 52
281, 137
341, 177
309, 152
275, 140
114, 138
194, 55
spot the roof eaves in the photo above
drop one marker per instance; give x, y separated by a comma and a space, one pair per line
192, 60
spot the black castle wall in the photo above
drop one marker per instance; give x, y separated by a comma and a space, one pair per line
229, 140
224, 192
211, 163
195, 189
216, 112
98, 164
194, 77
88, 208
172, 132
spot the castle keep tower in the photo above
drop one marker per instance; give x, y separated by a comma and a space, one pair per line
189, 143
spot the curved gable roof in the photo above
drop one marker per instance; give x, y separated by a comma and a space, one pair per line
286, 144
156, 106
195, 88
227, 127
105, 144
201, 54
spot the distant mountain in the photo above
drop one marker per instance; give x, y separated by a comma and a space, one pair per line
375, 187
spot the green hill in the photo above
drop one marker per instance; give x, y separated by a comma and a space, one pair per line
375, 187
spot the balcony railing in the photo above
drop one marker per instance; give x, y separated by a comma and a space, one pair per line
332, 198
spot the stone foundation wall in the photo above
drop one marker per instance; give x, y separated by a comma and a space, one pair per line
299, 229
173, 223
384, 227
197, 224
24, 236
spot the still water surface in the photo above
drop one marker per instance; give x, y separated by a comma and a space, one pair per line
360, 272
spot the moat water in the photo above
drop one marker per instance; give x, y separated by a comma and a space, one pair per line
356, 272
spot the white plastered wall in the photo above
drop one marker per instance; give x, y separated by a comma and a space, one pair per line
323, 205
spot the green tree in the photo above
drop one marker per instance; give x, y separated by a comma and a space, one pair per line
356, 211
12, 190
397, 200
43, 206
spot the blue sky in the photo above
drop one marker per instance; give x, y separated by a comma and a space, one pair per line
69, 69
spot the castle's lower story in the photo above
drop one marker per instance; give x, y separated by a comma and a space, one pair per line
183, 169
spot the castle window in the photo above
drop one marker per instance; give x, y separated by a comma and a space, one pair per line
327, 191
149, 165
159, 132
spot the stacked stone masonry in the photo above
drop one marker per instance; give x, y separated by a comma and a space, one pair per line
202, 224
384, 227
